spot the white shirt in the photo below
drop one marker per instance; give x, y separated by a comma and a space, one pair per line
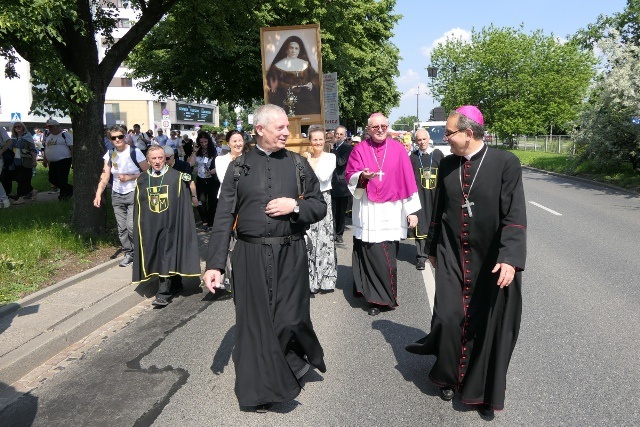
324, 170
121, 163
58, 146
375, 222
222, 163
139, 141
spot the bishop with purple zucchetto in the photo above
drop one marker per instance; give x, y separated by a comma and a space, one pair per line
385, 199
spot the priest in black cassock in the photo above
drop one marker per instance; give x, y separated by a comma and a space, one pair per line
165, 243
477, 244
275, 343
425, 162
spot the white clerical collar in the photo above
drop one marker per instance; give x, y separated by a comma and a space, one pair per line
427, 151
339, 144
469, 156
268, 153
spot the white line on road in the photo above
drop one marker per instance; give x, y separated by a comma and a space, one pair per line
545, 208
429, 283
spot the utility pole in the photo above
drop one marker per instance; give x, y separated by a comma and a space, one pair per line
418, 103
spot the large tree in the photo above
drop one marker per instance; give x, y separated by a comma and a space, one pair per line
58, 39
523, 83
218, 55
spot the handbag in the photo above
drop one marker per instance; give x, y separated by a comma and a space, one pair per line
26, 155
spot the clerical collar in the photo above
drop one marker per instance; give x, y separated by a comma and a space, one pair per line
268, 153
469, 156
427, 151
339, 143
154, 172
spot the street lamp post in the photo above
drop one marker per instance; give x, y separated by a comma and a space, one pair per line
418, 103
432, 73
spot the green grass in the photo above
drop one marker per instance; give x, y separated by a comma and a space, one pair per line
34, 239
621, 175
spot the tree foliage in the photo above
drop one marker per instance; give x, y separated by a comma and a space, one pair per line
405, 123
218, 56
523, 83
608, 131
58, 39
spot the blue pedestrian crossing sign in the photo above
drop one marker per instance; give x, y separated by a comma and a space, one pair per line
15, 117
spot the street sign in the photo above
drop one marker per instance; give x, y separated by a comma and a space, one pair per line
226, 123
166, 117
166, 124
15, 117
165, 112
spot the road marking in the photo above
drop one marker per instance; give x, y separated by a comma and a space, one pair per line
429, 284
545, 208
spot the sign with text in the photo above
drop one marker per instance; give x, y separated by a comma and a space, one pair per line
193, 113
331, 109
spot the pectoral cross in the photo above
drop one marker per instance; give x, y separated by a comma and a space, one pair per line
379, 173
467, 204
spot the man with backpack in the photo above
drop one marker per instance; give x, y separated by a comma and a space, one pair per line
272, 195
124, 163
58, 156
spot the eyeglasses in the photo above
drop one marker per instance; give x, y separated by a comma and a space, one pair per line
448, 134
17, 127
114, 137
169, 158
379, 128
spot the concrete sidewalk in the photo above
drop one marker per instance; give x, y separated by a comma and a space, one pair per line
43, 324
39, 326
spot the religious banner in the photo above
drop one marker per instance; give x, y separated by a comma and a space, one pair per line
291, 70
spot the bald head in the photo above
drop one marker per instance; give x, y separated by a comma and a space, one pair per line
422, 139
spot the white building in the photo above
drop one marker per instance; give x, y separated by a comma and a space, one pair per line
124, 102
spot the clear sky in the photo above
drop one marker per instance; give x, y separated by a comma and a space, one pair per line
426, 22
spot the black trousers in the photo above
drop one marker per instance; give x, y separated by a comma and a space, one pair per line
20, 175
167, 286
339, 208
59, 176
207, 189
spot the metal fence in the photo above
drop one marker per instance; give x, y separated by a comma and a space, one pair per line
545, 143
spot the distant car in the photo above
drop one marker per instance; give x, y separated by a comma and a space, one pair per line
436, 133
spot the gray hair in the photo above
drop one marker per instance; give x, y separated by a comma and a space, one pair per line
465, 122
341, 127
154, 148
315, 128
265, 113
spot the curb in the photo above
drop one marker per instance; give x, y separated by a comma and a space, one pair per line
583, 180
36, 296
19, 362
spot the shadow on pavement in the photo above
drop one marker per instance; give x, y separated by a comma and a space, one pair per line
412, 369
20, 413
223, 354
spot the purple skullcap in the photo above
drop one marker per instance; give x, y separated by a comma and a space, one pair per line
472, 112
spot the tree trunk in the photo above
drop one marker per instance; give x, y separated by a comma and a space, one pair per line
87, 166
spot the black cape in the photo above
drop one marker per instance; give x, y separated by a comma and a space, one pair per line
165, 241
475, 324
425, 168
274, 332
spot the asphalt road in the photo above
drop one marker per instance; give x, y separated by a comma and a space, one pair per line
575, 363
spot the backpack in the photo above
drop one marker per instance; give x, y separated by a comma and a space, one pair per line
239, 166
132, 153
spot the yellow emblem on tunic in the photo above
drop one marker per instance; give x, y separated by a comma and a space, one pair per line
428, 178
158, 198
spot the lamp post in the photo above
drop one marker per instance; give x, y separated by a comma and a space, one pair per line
432, 73
418, 102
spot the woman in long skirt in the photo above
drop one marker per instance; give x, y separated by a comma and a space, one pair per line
320, 237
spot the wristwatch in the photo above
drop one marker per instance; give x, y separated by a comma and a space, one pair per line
296, 208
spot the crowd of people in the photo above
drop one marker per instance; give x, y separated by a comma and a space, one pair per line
275, 220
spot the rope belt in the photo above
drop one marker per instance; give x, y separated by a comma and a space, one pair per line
285, 240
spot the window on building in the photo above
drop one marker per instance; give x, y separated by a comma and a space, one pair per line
112, 114
121, 82
124, 23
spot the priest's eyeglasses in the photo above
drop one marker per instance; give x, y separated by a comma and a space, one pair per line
448, 134
379, 128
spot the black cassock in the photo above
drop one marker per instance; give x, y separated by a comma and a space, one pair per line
166, 242
475, 324
425, 168
274, 332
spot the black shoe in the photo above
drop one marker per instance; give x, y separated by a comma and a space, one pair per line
339, 239
446, 393
126, 261
373, 311
420, 265
160, 302
262, 409
485, 410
